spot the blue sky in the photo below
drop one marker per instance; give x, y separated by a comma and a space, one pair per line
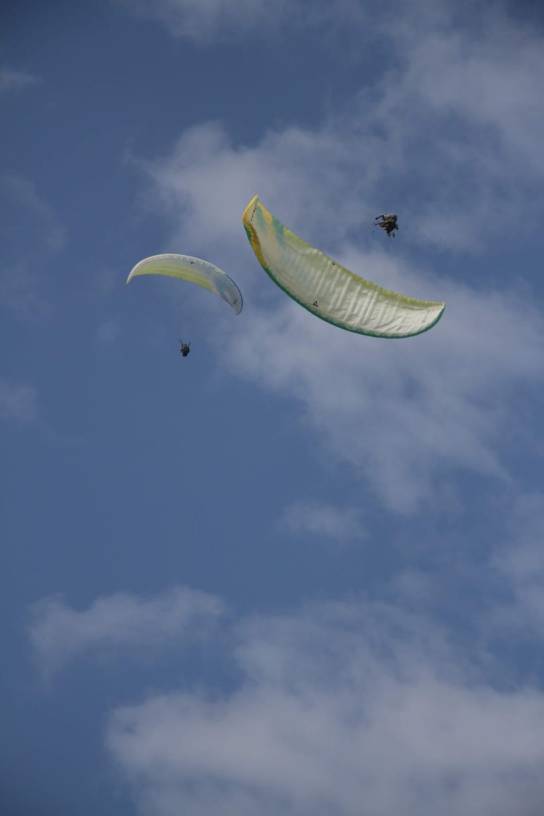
299, 571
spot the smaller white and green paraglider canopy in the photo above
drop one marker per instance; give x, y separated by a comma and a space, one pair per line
328, 289
193, 270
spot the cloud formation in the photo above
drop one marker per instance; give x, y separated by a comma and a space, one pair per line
30, 233
108, 331
341, 710
324, 520
121, 621
402, 413
206, 20
18, 402
12, 80
453, 132
451, 128
519, 564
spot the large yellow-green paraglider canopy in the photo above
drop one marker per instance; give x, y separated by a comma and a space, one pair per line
329, 290
194, 270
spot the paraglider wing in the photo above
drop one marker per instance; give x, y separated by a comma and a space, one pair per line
328, 289
194, 270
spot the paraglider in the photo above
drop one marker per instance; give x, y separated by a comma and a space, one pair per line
193, 270
329, 290
184, 348
387, 222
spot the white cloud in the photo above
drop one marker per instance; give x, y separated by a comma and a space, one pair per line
519, 561
205, 20
21, 290
487, 78
343, 710
365, 708
206, 182
18, 402
460, 159
451, 129
59, 633
22, 193
30, 233
469, 120
403, 413
202, 19
325, 520
11, 80
108, 332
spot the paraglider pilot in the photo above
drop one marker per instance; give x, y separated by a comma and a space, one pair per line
387, 222
184, 348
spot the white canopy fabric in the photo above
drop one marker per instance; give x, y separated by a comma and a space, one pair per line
329, 290
193, 270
